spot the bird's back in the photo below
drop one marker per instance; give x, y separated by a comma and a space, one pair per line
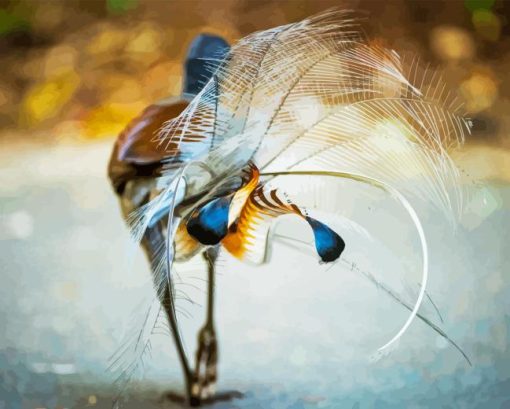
136, 153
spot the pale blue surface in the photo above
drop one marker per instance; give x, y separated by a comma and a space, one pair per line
292, 334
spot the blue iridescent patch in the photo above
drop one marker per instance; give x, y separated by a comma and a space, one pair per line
209, 224
328, 243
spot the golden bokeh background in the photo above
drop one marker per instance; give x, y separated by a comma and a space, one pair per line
84, 68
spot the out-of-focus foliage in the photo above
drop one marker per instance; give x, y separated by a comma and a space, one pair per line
44, 100
11, 21
84, 68
120, 6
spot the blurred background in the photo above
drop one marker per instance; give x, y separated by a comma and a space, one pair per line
74, 72
82, 69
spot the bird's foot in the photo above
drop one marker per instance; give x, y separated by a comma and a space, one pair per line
203, 387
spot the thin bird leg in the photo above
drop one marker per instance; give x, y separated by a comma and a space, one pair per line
153, 242
207, 351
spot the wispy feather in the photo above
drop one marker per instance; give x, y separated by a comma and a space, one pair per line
312, 98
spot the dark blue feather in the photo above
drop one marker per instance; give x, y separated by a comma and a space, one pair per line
328, 243
209, 224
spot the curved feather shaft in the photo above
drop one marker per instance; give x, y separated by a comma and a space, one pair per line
392, 294
414, 217
310, 98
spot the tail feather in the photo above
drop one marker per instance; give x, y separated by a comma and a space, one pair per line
318, 97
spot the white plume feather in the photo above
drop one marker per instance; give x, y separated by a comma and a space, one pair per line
316, 96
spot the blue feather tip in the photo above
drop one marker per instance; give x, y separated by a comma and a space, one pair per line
328, 243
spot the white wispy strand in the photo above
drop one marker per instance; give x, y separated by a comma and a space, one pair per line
317, 95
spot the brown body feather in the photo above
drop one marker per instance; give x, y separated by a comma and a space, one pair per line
136, 153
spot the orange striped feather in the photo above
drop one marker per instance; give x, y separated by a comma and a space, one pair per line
247, 238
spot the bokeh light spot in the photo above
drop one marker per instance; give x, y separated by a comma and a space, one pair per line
452, 43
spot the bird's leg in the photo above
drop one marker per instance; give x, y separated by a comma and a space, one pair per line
153, 243
136, 194
207, 351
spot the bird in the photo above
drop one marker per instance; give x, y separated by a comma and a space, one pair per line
306, 101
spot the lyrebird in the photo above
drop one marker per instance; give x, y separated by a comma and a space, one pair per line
208, 171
